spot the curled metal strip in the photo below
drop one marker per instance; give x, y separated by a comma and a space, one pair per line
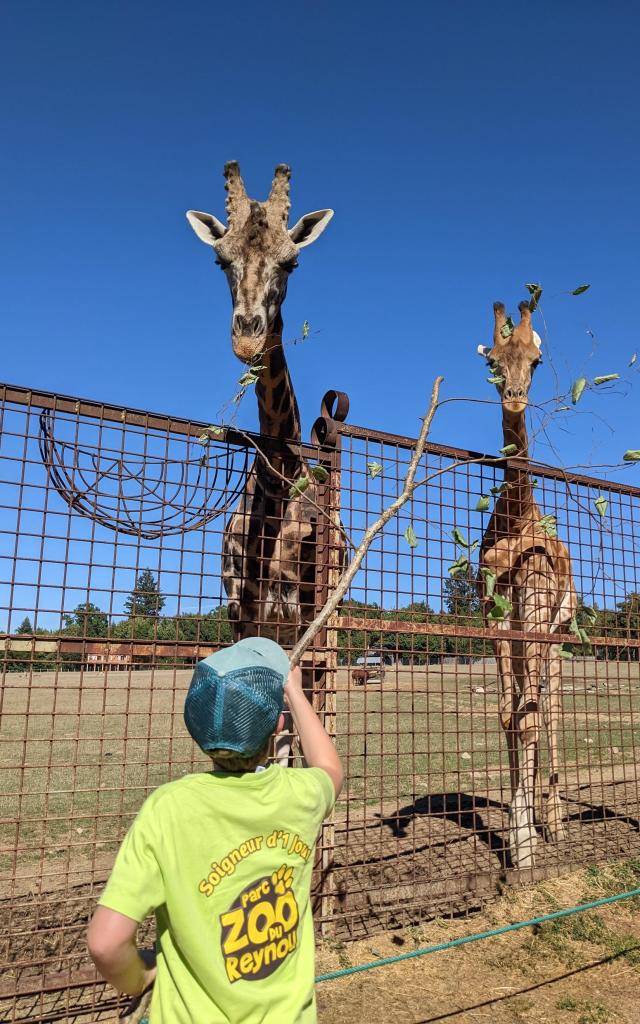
143, 495
334, 410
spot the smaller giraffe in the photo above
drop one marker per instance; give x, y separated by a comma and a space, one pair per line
533, 572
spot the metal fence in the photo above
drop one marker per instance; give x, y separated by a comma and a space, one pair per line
111, 534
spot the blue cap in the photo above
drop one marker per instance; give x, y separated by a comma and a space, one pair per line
236, 696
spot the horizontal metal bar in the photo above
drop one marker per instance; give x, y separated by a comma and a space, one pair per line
483, 458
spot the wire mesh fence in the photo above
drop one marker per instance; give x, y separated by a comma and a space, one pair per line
113, 528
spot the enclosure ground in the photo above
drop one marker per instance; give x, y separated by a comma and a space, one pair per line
583, 969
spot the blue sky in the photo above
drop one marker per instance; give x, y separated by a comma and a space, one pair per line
465, 148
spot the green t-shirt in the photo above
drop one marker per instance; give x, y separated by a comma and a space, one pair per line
225, 862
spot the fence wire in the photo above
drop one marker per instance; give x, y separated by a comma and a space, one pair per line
111, 536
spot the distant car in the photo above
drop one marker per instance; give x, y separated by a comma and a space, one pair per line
372, 660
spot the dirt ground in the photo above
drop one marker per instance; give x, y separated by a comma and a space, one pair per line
584, 969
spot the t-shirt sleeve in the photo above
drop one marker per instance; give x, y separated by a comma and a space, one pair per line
136, 886
327, 789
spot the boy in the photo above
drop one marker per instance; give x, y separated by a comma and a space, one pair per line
225, 858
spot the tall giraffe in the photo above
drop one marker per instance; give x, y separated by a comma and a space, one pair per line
268, 558
533, 572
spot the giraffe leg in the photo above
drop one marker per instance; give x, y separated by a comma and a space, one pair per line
523, 837
534, 591
551, 711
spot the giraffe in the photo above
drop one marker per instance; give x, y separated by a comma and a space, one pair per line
533, 572
268, 564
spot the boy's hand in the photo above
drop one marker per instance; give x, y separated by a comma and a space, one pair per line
138, 1008
293, 685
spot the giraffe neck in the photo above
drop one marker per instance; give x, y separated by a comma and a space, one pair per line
277, 406
518, 501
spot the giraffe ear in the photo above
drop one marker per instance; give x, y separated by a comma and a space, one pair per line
537, 340
207, 227
309, 227
483, 350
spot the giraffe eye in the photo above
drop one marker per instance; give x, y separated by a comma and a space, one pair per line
222, 263
289, 265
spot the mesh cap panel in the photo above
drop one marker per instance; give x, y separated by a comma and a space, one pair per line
235, 711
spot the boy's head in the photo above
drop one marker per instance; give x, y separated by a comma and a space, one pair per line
234, 702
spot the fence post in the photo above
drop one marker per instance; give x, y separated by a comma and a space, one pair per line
329, 554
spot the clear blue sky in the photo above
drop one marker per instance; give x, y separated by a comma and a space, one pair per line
465, 148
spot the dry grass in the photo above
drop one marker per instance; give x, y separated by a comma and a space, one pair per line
79, 751
579, 970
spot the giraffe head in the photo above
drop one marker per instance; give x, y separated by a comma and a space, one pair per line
513, 357
257, 251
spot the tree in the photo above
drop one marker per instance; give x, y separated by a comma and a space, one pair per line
146, 598
86, 620
628, 622
462, 596
25, 626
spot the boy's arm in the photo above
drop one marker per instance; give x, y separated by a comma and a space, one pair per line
111, 941
317, 745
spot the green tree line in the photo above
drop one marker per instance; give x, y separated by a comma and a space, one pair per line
462, 608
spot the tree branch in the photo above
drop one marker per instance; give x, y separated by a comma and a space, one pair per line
347, 576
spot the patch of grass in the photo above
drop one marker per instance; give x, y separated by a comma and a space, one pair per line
611, 879
590, 1012
562, 936
567, 1003
593, 1013
625, 946
339, 948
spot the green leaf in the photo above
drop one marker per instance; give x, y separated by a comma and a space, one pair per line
320, 474
299, 486
509, 449
204, 439
483, 503
496, 613
565, 652
460, 566
563, 408
502, 603
496, 379
218, 431
633, 358
548, 525
489, 580
459, 538
305, 329
507, 328
535, 291
248, 378
601, 504
580, 289
578, 387
472, 547
574, 627
590, 614
374, 469
410, 537
501, 489
606, 377
633, 455
535, 483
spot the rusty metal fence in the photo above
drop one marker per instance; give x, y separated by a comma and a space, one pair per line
111, 533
